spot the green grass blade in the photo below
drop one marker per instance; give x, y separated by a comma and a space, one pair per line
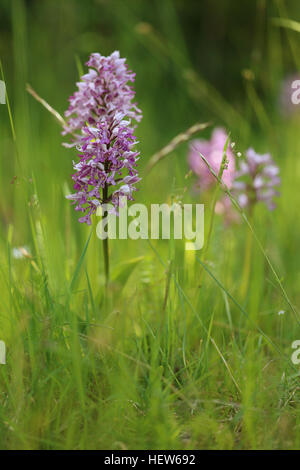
79, 264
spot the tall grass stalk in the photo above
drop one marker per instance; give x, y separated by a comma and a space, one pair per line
213, 205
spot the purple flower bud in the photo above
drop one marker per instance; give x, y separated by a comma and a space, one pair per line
256, 180
212, 150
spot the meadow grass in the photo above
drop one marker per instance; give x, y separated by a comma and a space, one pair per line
181, 351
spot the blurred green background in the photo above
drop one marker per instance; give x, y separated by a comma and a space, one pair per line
192, 60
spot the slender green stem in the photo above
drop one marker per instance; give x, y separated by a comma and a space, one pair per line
247, 262
106, 260
213, 206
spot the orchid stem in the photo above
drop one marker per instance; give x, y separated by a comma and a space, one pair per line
106, 260
247, 264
